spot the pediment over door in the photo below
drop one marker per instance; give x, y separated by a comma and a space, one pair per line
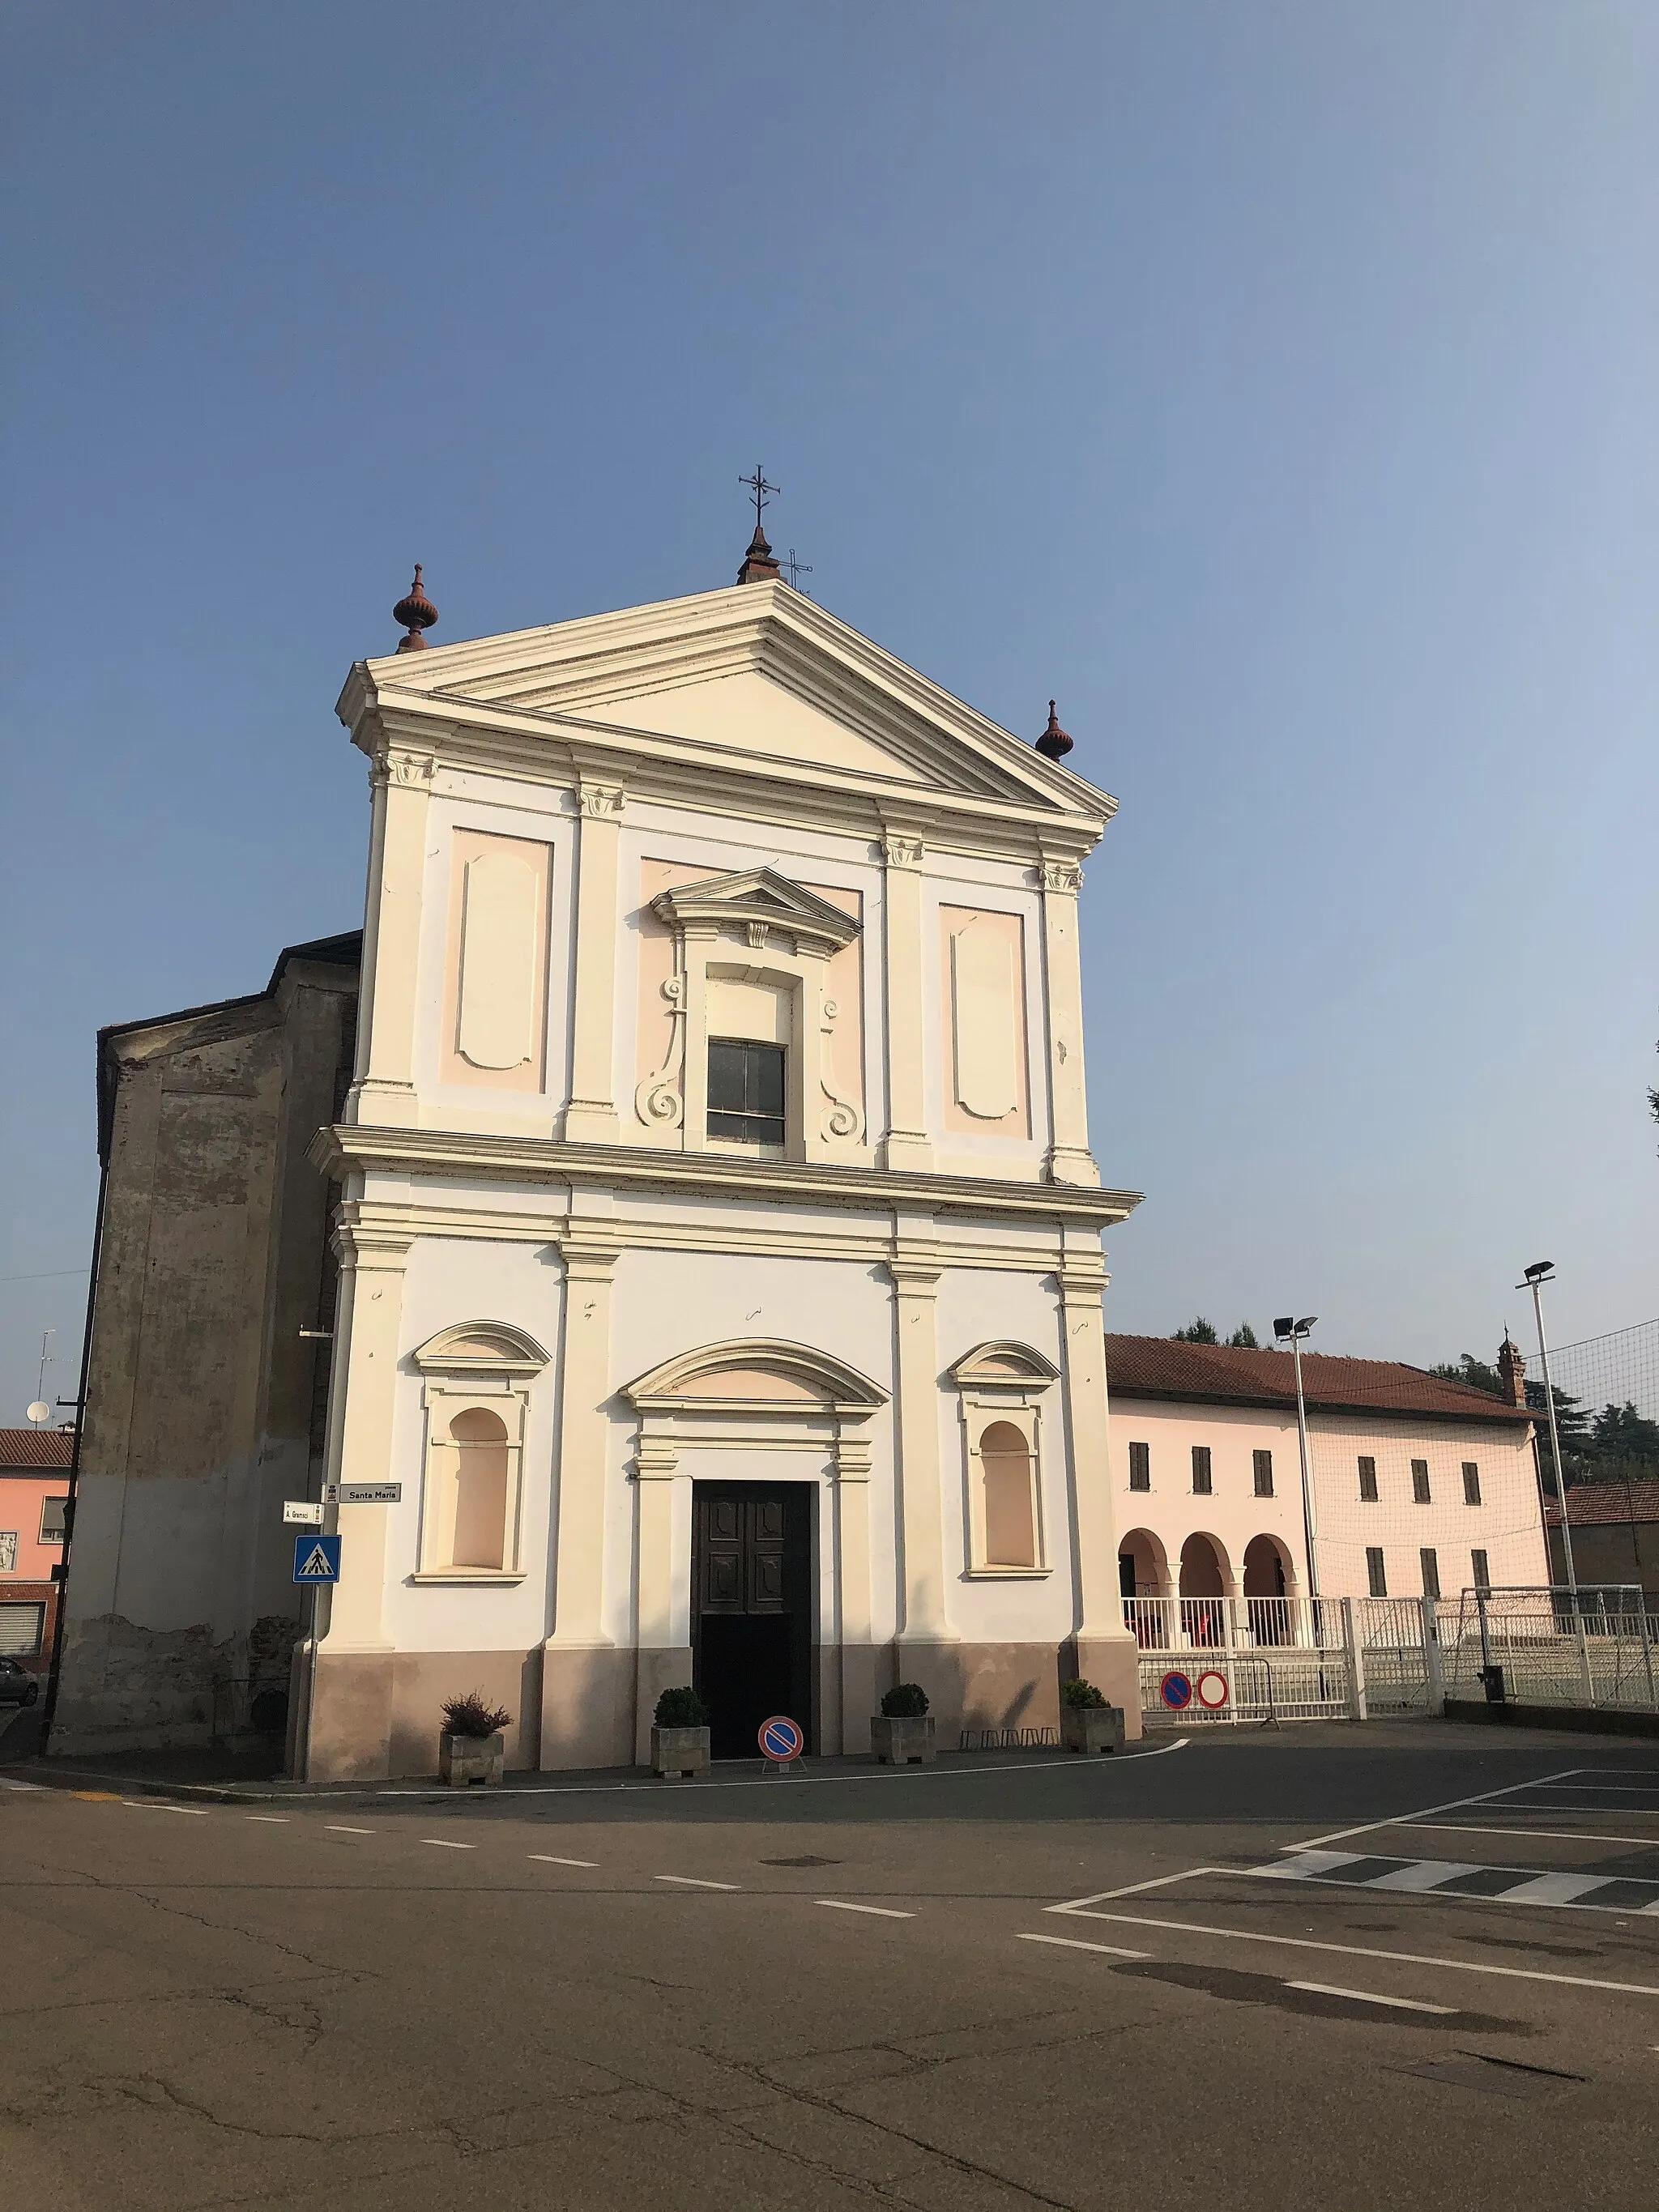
757, 1374
760, 902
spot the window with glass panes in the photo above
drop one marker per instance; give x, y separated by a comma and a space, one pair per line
746, 1091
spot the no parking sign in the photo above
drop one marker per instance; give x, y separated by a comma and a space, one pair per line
781, 1739
1176, 1690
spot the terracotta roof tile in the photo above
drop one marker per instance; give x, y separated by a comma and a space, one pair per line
1598, 1504
20, 1447
1159, 1367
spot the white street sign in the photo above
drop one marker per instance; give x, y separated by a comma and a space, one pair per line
301, 1513
363, 1493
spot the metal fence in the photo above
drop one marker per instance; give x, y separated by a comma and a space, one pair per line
1210, 1661
1588, 1648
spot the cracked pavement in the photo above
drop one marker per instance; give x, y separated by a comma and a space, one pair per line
290, 2011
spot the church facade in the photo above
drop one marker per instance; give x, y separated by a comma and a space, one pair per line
718, 1238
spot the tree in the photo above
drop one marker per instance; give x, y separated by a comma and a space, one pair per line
1473, 1372
1197, 1332
1244, 1339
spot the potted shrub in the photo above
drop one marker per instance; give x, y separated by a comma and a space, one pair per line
679, 1735
901, 1735
1087, 1722
470, 1745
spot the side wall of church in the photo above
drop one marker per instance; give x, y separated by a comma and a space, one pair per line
202, 1397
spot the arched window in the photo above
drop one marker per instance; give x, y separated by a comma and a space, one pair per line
481, 1441
1010, 1522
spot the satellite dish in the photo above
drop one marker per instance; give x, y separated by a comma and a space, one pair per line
39, 1411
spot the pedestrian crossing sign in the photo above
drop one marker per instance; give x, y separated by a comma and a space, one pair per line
316, 1558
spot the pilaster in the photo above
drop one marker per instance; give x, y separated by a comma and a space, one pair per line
906, 1144
400, 781
1069, 1159
915, 1270
858, 1691
591, 1115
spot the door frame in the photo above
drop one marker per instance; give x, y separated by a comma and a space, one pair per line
803, 1498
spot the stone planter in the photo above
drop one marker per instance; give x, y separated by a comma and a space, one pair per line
465, 1761
903, 1742
677, 1751
1092, 1727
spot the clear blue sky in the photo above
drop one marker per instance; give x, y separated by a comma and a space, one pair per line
1274, 384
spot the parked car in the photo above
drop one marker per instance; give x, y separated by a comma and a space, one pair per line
17, 1686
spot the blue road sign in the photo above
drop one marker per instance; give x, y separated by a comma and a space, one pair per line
781, 1739
1176, 1689
316, 1558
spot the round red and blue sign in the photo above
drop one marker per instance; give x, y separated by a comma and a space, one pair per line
1176, 1690
781, 1739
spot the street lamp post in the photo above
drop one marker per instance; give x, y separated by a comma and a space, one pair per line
1287, 1330
1534, 1279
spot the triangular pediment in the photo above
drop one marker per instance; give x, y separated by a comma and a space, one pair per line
757, 677
759, 895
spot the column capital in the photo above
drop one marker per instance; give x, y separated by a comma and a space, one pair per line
371, 1247
590, 1254
600, 801
408, 768
656, 1459
913, 1277
899, 849
1060, 878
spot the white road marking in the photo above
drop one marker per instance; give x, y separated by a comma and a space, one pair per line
1369, 1996
1606, 1789
1551, 1835
1422, 1812
1425, 1876
692, 1881
1554, 1889
881, 1912
1076, 1943
151, 1805
883, 1775
1367, 1951
546, 1858
271, 1820
1132, 1889
6, 1783
443, 1843
338, 1828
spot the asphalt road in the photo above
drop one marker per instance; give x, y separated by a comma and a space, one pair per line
1172, 1979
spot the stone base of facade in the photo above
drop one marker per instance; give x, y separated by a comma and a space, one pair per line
376, 1715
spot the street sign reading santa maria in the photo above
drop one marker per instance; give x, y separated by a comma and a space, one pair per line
316, 1558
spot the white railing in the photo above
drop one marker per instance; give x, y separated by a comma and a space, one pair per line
1233, 1624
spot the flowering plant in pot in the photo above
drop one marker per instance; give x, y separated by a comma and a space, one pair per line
679, 1735
1087, 1722
471, 1747
902, 1733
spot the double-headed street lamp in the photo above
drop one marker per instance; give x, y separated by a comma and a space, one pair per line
1534, 1279
1291, 1332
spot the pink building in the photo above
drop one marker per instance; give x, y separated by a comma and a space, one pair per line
1420, 1486
33, 1492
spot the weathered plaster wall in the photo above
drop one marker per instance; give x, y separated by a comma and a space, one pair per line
200, 1393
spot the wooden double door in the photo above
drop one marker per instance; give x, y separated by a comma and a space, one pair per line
751, 1608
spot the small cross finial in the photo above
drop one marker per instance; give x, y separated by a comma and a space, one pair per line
758, 485
797, 569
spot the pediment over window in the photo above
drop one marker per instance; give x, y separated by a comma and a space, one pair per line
474, 1347
758, 1374
1012, 1366
760, 902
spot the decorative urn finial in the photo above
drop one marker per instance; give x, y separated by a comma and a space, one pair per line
416, 613
1054, 744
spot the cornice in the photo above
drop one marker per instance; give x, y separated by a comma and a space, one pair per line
533, 704
337, 1151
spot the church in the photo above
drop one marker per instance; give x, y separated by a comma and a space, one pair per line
700, 1253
